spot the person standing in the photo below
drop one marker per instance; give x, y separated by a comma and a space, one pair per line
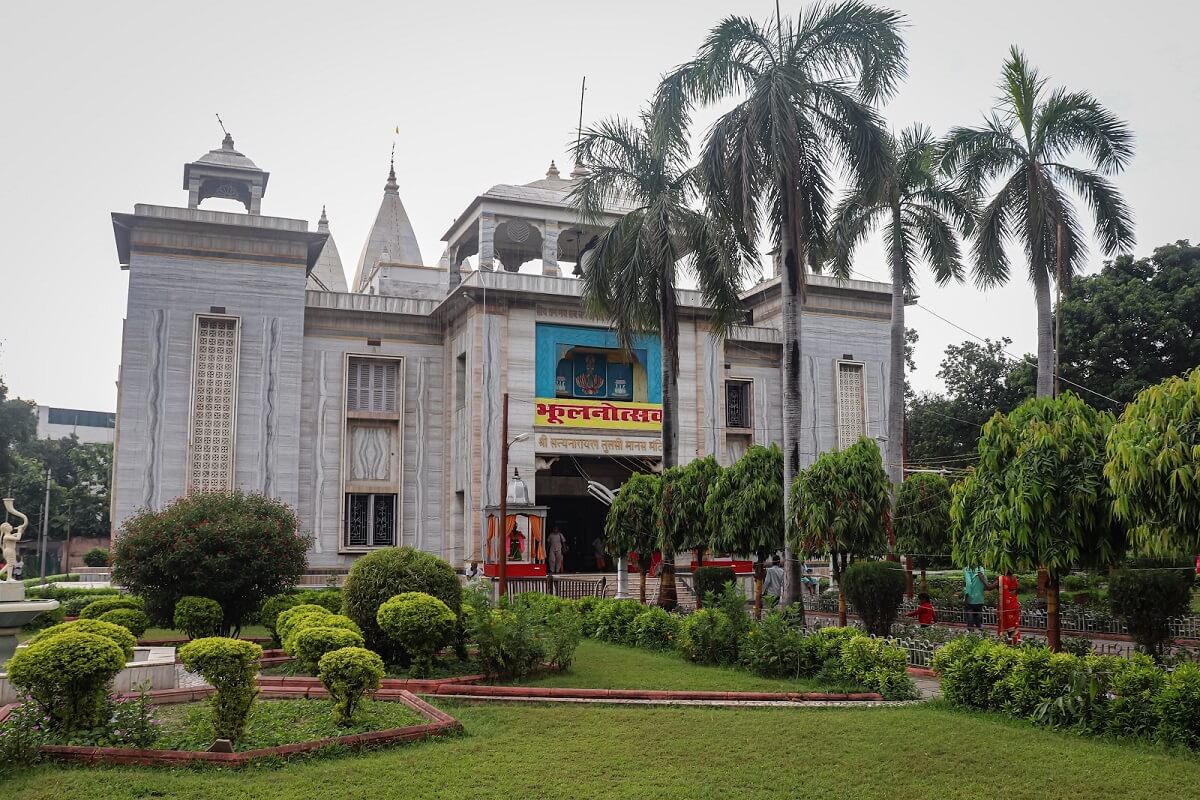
1010, 609
773, 582
974, 585
557, 545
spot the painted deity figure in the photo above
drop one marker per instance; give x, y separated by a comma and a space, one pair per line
590, 382
9, 537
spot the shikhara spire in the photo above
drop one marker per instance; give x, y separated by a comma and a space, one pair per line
392, 234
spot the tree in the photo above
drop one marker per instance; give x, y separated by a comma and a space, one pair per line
1025, 144
632, 522
630, 267
232, 547
921, 519
746, 507
685, 490
1153, 467
1038, 498
18, 425
922, 219
839, 509
942, 429
805, 90
1133, 324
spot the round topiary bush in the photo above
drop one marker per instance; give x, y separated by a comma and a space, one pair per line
875, 589
131, 619
230, 666
68, 676
347, 674
1147, 599
119, 634
289, 618
94, 609
198, 617
379, 576
709, 637
237, 548
96, 557
309, 644
307, 621
268, 616
421, 624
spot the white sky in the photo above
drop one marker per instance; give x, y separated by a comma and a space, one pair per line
103, 103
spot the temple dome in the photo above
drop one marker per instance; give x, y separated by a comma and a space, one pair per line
392, 236
226, 156
327, 274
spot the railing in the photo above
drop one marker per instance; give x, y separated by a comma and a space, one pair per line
566, 588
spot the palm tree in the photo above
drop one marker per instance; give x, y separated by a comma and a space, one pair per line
629, 269
805, 90
921, 219
1025, 144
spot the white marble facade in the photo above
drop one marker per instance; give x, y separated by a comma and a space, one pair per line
425, 463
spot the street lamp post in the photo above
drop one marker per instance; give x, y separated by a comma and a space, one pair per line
502, 572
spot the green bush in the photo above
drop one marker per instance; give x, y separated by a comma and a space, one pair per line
421, 624
654, 629
1147, 599
878, 667
586, 606
507, 642
1036, 677
22, 734
561, 634
310, 644
709, 637
540, 607
972, 670
94, 609
732, 600
774, 649
230, 666
237, 548
96, 557
119, 634
133, 620
1178, 707
611, 619
198, 617
381, 575
303, 622
289, 618
67, 675
711, 579
348, 674
268, 615
1134, 683
875, 589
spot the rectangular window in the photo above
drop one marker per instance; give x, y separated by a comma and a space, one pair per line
370, 520
214, 392
737, 404
81, 419
851, 404
460, 382
371, 385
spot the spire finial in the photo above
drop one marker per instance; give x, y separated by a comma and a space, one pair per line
391, 185
553, 171
323, 222
227, 142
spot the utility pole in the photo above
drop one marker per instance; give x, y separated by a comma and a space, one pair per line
502, 586
1058, 263
45, 530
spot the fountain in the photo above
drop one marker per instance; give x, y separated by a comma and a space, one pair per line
15, 610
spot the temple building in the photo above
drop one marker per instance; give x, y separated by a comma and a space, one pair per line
373, 407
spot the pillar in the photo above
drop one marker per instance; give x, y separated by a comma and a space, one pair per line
550, 249
487, 233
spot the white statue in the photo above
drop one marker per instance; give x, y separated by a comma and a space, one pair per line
9, 536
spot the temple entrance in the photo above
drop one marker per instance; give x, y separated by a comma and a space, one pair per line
563, 488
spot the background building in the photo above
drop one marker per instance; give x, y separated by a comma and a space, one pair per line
91, 427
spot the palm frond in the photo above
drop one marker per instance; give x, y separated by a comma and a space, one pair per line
994, 228
1113, 219
852, 41
1020, 88
854, 219
1076, 120
939, 243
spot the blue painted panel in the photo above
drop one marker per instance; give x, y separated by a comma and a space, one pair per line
553, 342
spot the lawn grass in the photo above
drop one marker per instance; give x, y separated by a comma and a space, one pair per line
599, 665
188, 726
651, 753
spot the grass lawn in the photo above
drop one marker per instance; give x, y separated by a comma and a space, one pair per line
188, 726
599, 665
643, 753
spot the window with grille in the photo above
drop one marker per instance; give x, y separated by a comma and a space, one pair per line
370, 520
737, 404
214, 389
372, 385
851, 404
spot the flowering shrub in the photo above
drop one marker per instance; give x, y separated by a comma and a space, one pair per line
131, 722
22, 735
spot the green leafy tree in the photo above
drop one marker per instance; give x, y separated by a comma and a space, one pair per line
1134, 323
942, 429
746, 508
921, 519
685, 491
630, 267
804, 91
839, 508
1038, 499
922, 218
1024, 146
632, 522
1153, 467
18, 424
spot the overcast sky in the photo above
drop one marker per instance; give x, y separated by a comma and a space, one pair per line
103, 103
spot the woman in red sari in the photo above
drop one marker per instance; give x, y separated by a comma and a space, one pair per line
1009, 609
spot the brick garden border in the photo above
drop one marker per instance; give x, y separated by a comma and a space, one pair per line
439, 724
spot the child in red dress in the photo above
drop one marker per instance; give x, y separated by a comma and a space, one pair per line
924, 612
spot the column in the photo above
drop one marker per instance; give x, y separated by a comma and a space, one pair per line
487, 233
550, 249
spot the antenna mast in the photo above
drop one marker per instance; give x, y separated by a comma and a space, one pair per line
222, 124
579, 130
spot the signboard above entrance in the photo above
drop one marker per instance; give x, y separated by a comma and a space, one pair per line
598, 414
571, 444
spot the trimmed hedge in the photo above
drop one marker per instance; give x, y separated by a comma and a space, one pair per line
198, 617
875, 589
310, 644
119, 634
230, 666
67, 675
94, 609
348, 674
96, 557
421, 624
132, 619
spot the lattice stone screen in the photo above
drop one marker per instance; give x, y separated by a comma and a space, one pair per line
851, 416
214, 389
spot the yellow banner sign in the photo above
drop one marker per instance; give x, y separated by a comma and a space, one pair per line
570, 413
